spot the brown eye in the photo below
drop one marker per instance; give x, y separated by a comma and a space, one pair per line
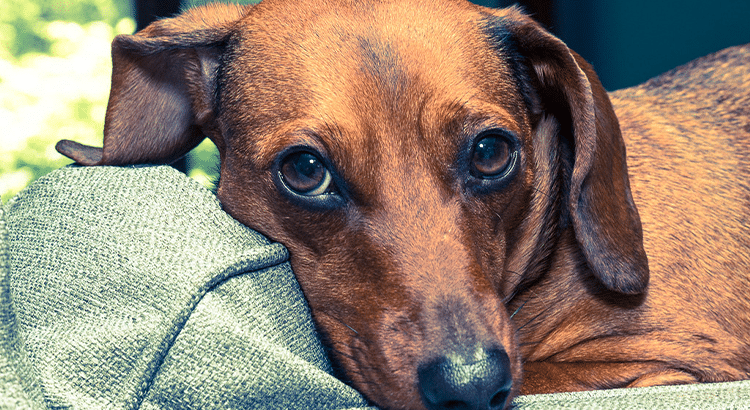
305, 174
492, 156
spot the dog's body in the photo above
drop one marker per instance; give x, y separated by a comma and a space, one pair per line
687, 133
451, 183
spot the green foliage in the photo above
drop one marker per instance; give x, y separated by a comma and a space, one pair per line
55, 70
23, 22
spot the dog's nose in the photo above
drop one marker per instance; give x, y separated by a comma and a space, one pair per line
452, 383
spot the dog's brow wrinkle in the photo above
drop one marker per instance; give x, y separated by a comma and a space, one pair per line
381, 63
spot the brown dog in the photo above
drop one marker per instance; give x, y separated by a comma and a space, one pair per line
451, 182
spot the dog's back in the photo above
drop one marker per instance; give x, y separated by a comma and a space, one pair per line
687, 134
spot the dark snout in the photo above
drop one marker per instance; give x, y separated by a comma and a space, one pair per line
453, 382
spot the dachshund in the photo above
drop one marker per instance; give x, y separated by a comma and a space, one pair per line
453, 186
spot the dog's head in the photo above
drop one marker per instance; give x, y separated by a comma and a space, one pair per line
419, 159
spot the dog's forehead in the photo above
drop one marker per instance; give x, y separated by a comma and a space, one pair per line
371, 60
333, 44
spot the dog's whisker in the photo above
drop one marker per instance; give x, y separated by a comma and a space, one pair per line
534, 318
539, 191
336, 318
519, 308
350, 328
516, 291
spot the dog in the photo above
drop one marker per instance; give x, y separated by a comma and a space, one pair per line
453, 186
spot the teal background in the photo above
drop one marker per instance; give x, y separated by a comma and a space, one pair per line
630, 41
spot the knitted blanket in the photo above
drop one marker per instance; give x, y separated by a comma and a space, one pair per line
130, 288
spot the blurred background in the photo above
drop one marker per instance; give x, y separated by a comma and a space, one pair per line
55, 62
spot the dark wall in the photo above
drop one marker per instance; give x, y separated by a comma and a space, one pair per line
147, 11
630, 41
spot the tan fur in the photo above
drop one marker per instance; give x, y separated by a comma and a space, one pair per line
413, 264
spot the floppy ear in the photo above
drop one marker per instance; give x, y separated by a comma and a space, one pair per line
604, 217
162, 96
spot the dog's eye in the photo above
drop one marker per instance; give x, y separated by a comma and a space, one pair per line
305, 174
492, 156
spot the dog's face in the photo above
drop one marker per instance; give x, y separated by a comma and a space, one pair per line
419, 160
392, 161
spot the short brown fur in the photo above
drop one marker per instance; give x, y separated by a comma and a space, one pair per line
414, 260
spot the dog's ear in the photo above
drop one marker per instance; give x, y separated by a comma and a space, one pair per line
162, 96
560, 83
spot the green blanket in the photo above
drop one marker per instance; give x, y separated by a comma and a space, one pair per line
130, 288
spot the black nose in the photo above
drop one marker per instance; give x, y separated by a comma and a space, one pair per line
452, 383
